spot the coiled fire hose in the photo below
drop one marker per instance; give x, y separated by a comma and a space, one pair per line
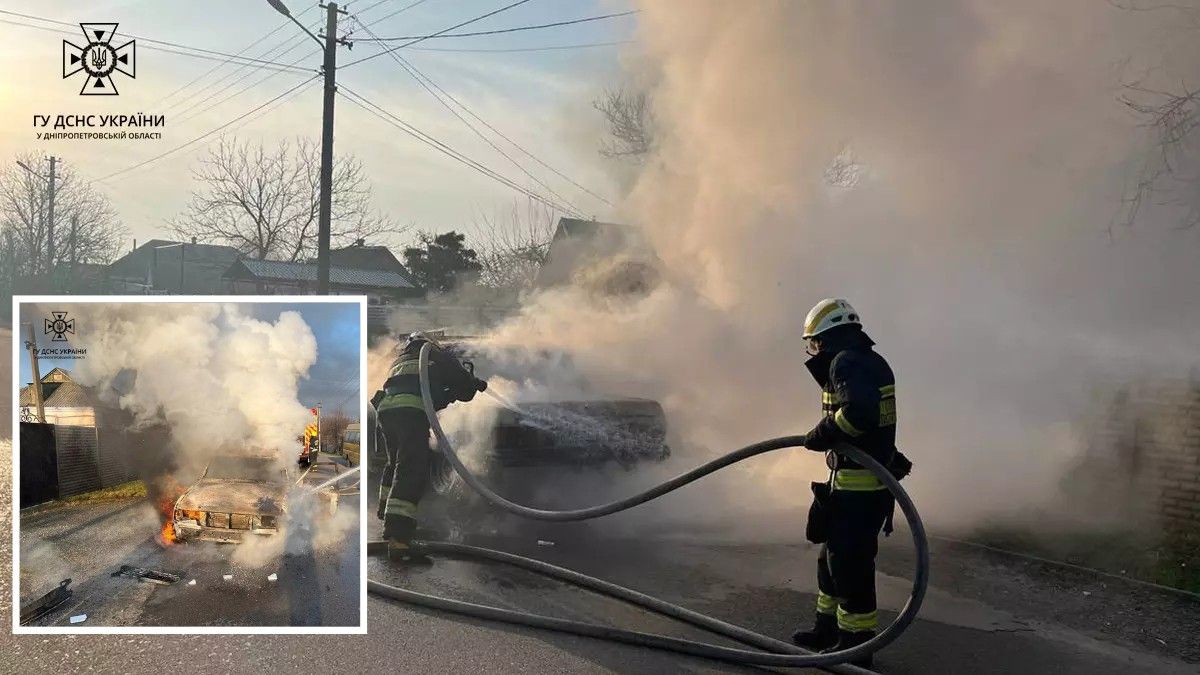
782, 654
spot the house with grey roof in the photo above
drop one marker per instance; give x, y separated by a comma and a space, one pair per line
64, 400
162, 266
279, 277
580, 246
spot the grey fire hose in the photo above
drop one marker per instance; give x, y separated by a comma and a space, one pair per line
791, 656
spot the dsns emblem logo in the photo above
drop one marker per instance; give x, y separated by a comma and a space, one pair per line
98, 59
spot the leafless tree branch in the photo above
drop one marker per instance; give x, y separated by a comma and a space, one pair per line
630, 124
266, 203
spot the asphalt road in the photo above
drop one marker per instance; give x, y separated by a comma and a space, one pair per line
984, 614
315, 585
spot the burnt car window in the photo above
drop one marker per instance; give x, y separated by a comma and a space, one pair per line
243, 468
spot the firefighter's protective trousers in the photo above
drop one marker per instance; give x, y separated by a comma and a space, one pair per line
406, 474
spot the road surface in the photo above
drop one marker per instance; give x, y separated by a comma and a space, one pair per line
89, 541
984, 615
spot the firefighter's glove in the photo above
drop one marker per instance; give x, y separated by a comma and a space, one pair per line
480, 385
815, 440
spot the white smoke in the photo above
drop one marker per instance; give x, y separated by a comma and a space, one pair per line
219, 379
991, 155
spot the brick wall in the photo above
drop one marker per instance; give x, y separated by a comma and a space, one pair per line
1149, 437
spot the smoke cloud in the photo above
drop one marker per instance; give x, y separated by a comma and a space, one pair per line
988, 154
219, 379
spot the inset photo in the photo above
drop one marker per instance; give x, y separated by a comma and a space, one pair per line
188, 466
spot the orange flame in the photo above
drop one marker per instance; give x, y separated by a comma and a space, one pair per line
166, 506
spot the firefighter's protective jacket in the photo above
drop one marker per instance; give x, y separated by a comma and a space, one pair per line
858, 397
448, 380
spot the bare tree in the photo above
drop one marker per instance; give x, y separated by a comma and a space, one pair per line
630, 124
1169, 173
514, 244
85, 228
266, 203
333, 425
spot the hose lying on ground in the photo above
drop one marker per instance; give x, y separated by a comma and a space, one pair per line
728, 654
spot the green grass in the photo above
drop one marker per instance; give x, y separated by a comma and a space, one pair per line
1169, 559
130, 490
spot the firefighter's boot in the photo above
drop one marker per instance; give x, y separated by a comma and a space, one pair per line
823, 634
403, 552
847, 639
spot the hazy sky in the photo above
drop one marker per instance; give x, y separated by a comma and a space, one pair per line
332, 380
540, 99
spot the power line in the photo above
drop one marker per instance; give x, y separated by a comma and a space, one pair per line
235, 71
150, 40
275, 66
365, 104
501, 134
253, 85
440, 32
412, 71
245, 49
526, 49
514, 29
388, 16
207, 134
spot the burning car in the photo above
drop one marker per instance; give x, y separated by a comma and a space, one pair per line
235, 497
597, 430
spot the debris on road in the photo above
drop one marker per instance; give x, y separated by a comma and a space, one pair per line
149, 575
227, 577
543, 542
79, 618
192, 582
272, 576
43, 605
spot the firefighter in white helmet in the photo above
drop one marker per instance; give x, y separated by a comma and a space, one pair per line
858, 402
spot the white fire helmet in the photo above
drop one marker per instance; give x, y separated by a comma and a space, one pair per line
829, 313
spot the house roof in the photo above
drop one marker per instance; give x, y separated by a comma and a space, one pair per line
578, 242
279, 270
203, 264
58, 390
364, 257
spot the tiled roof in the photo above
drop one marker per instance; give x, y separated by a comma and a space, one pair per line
58, 394
279, 270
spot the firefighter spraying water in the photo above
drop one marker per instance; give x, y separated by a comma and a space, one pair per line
857, 432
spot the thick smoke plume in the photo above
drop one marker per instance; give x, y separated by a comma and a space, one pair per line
990, 154
219, 379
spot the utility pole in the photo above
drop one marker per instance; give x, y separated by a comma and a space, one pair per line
329, 66
74, 233
323, 224
50, 222
31, 344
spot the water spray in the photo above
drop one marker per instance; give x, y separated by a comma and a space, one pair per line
331, 481
779, 654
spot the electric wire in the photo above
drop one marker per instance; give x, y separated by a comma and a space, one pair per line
385, 115
295, 89
149, 40
444, 30
276, 66
253, 85
245, 49
292, 40
398, 11
496, 131
546, 48
505, 30
420, 78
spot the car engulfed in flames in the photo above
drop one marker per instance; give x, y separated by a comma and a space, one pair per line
237, 496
